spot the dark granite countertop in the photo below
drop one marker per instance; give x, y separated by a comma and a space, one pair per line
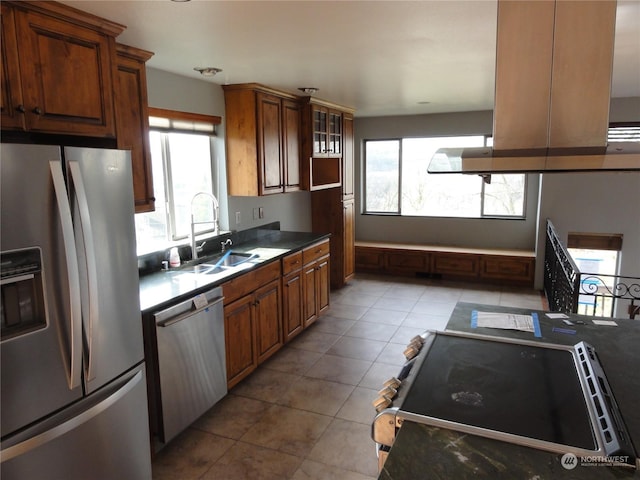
424, 452
160, 289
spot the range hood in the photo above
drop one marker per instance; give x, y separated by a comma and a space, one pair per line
553, 81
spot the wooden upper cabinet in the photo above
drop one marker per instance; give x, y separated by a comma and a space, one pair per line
132, 124
347, 157
12, 107
291, 144
269, 143
262, 140
323, 144
65, 74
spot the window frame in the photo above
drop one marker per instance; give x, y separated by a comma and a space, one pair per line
398, 212
165, 122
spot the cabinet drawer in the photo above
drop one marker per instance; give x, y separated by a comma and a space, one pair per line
291, 263
517, 269
250, 281
467, 265
314, 252
408, 261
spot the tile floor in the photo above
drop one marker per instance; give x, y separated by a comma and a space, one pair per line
306, 413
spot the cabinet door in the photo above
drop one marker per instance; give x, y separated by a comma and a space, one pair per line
323, 281
269, 135
133, 123
335, 133
320, 134
12, 107
348, 250
291, 145
267, 314
239, 339
66, 73
347, 157
292, 317
309, 292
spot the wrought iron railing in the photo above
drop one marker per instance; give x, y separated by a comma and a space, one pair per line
570, 291
561, 275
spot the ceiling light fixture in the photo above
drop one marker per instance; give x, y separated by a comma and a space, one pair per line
309, 90
208, 71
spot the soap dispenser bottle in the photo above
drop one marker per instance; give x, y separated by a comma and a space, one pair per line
174, 257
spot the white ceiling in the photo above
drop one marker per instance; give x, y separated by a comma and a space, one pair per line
381, 57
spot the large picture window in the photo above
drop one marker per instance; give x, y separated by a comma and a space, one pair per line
397, 182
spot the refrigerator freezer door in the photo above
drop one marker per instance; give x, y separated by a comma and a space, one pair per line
36, 366
64, 447
101, 188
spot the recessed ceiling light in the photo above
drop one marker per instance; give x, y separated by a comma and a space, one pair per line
208, 71
180, 1
309, 90
424, 103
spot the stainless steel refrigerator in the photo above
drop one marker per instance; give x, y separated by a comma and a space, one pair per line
73, 392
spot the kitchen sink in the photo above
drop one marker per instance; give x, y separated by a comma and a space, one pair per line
220, 264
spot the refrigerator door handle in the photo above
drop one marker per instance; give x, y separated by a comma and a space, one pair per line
56, 431
75, 328
92, 270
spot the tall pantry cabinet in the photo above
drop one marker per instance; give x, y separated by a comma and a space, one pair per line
333, 209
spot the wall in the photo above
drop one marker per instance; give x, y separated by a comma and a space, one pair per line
481, 233
175, 92
593, 203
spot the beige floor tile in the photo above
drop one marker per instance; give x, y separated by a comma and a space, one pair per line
292, 360
310, 470
265, 384
288, 430
426, 321
371, 331
378, 315
395, 304
441, 293
404, 334
431, 307
405, 291
392, 354
481, 296
232, 416
314, 340
189, 455
379, 373
359, 406
252, 462
315, 395
351, 312
334, 325
360, 299
347, 445
360, 348
339, 369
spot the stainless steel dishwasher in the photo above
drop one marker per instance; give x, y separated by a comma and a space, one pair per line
191, 360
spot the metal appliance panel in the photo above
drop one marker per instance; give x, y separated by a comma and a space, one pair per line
35, 367
102, 204
191, 360
64, 447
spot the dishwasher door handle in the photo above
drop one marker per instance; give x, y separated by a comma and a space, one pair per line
170, 321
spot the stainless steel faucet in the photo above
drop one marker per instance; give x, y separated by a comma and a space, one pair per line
195, 248
225, 243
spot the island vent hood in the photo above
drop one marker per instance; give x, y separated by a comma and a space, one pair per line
553, 82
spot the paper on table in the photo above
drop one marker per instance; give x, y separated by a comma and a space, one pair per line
508, 321
556, 315
609, 323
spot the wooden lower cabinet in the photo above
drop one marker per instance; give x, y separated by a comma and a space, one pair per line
268, 326
292, 311
252, 320
315, 281
497, 266
239, 328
